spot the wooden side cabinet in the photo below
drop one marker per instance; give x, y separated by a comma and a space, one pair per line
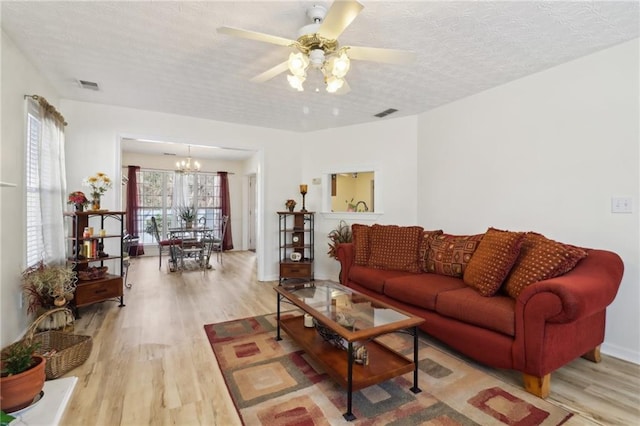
296, 241
96, 250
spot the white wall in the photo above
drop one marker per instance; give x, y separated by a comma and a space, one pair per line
19, 78
545, 153
389, 148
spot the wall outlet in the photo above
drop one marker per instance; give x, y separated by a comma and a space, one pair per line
621, 205
316, 181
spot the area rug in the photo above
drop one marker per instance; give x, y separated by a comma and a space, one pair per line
276, 383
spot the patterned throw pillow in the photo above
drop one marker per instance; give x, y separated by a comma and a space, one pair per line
541, 259
361, 243
450, 254
395, 247
427, 236
492, 261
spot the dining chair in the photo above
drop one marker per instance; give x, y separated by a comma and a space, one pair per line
127, 242
162, 244
217, 245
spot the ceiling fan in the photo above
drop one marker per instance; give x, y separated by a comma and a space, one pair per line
317, 47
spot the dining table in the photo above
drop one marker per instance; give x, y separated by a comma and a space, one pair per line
190, 243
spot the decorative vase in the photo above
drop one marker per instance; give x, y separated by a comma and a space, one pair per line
79, 207
95, 204
189, 224
291, 208
19, 390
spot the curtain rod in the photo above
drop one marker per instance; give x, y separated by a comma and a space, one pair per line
165, 170
48, 108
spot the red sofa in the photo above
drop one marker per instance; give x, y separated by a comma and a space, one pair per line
548, 324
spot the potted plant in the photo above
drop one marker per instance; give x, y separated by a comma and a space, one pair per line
79, 200
290, 204
47, 287
22, 375
341, 234
188, 215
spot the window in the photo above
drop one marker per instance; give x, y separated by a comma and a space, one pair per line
159, 196
44, 177
34, 243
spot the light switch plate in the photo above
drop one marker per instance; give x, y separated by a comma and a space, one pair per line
316, 181
621, 205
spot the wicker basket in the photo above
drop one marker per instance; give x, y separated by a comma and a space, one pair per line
63, 351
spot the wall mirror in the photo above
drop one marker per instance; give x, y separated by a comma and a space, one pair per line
352, 192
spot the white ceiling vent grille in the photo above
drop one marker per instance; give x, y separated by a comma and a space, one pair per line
385, 112
89, 85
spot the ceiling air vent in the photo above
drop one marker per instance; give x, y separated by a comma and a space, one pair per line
385, 112
168, 153
89, 85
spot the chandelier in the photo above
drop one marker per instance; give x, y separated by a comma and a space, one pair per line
334, 68
186, 165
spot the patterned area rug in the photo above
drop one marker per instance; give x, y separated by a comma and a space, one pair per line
276, 383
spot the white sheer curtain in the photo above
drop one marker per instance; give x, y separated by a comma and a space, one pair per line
181, 195
52, 183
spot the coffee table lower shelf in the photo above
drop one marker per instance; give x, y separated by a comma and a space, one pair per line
384, 363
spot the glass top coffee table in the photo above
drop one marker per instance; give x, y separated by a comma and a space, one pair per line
352, 319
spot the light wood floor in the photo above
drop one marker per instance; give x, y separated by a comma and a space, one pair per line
151, 362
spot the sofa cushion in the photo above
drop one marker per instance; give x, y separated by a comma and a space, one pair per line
492, 260
420, 290
466, 305
361, 243
450, 254
395, 247
425, 244
371, 278
540, 259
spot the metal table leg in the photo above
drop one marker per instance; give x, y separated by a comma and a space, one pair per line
415, 388
278, 318
348, 416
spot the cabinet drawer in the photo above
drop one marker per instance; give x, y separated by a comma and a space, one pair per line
97, 291
296, 270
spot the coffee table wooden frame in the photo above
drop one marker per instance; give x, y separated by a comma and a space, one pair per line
384, 362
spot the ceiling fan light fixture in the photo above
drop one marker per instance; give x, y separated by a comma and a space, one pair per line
298, 64
334, 84
340, 65
316, 57
296, 81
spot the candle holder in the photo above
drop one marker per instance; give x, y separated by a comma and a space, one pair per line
303, 191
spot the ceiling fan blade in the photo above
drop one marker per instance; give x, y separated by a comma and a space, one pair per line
270, 73
339, 17
253, 35
375, 54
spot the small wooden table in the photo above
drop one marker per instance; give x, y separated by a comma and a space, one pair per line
329, 302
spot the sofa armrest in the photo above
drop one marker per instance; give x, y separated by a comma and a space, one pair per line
346, 255
589, 288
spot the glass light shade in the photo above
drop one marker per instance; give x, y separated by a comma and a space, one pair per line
340, 65
296, 82
334, 84
298, 64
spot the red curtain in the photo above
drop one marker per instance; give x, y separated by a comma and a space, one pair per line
132, 209
225, 203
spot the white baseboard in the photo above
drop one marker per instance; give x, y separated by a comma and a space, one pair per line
620, 352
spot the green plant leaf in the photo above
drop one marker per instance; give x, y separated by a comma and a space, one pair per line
5, 418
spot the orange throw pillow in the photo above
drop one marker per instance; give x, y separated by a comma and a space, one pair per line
361, 243
541, 259
450, 254
492, 261
395, 247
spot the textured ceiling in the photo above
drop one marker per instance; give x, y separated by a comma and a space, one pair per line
168, 57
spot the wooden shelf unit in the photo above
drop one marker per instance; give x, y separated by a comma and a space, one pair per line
296, 235
110, 286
